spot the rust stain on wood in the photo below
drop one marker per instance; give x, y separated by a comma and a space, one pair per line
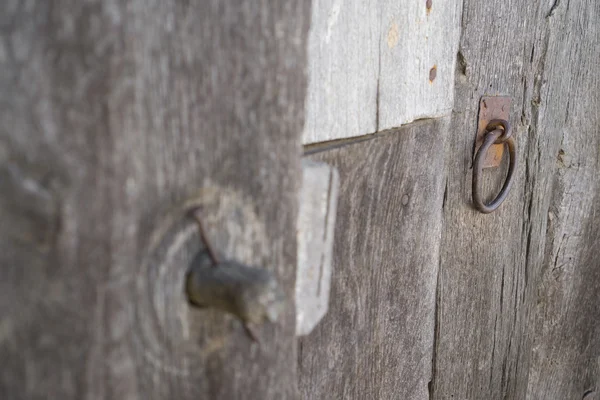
393, 35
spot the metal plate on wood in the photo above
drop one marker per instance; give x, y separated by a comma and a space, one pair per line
491, 107
316, 222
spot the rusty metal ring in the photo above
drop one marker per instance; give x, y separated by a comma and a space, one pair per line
504, 125
490, 139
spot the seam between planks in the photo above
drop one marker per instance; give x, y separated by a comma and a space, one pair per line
319, 147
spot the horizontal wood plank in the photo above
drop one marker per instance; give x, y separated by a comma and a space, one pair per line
418, 47
377, 65
343, 55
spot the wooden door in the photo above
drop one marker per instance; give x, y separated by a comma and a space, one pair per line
117, 114
430, 298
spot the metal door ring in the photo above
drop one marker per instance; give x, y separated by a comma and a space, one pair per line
493, 137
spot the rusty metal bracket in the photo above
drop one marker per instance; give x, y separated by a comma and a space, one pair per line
491, 108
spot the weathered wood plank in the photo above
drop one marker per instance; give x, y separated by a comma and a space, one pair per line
376, 340
316, 224
370, 65
113, 113
510, 325
564, 324
483, 276
418, 47
343, 69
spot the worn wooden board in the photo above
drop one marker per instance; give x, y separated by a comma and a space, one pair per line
112, 114
316, 224
564, 323
418, 43
483, 265
376, 340
508, 324
371, 62
343, 68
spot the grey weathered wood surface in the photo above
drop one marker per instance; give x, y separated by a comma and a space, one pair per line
483, 270
316, 224
564, 321
509, 324
517, 305
417, 43
370, 63
112, 114
376, 340
343, 55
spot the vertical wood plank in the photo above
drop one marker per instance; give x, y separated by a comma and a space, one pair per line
515, 319
113, 113
483, 264
376, 340
564, 323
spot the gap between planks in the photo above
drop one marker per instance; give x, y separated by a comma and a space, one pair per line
319, 147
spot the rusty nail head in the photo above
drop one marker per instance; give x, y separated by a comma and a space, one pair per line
432, 73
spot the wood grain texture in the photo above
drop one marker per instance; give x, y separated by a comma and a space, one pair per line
418, 57
370, 65
484, 274
564, 322
506, 328
316, 224
112, 114
376, 340
343, 69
